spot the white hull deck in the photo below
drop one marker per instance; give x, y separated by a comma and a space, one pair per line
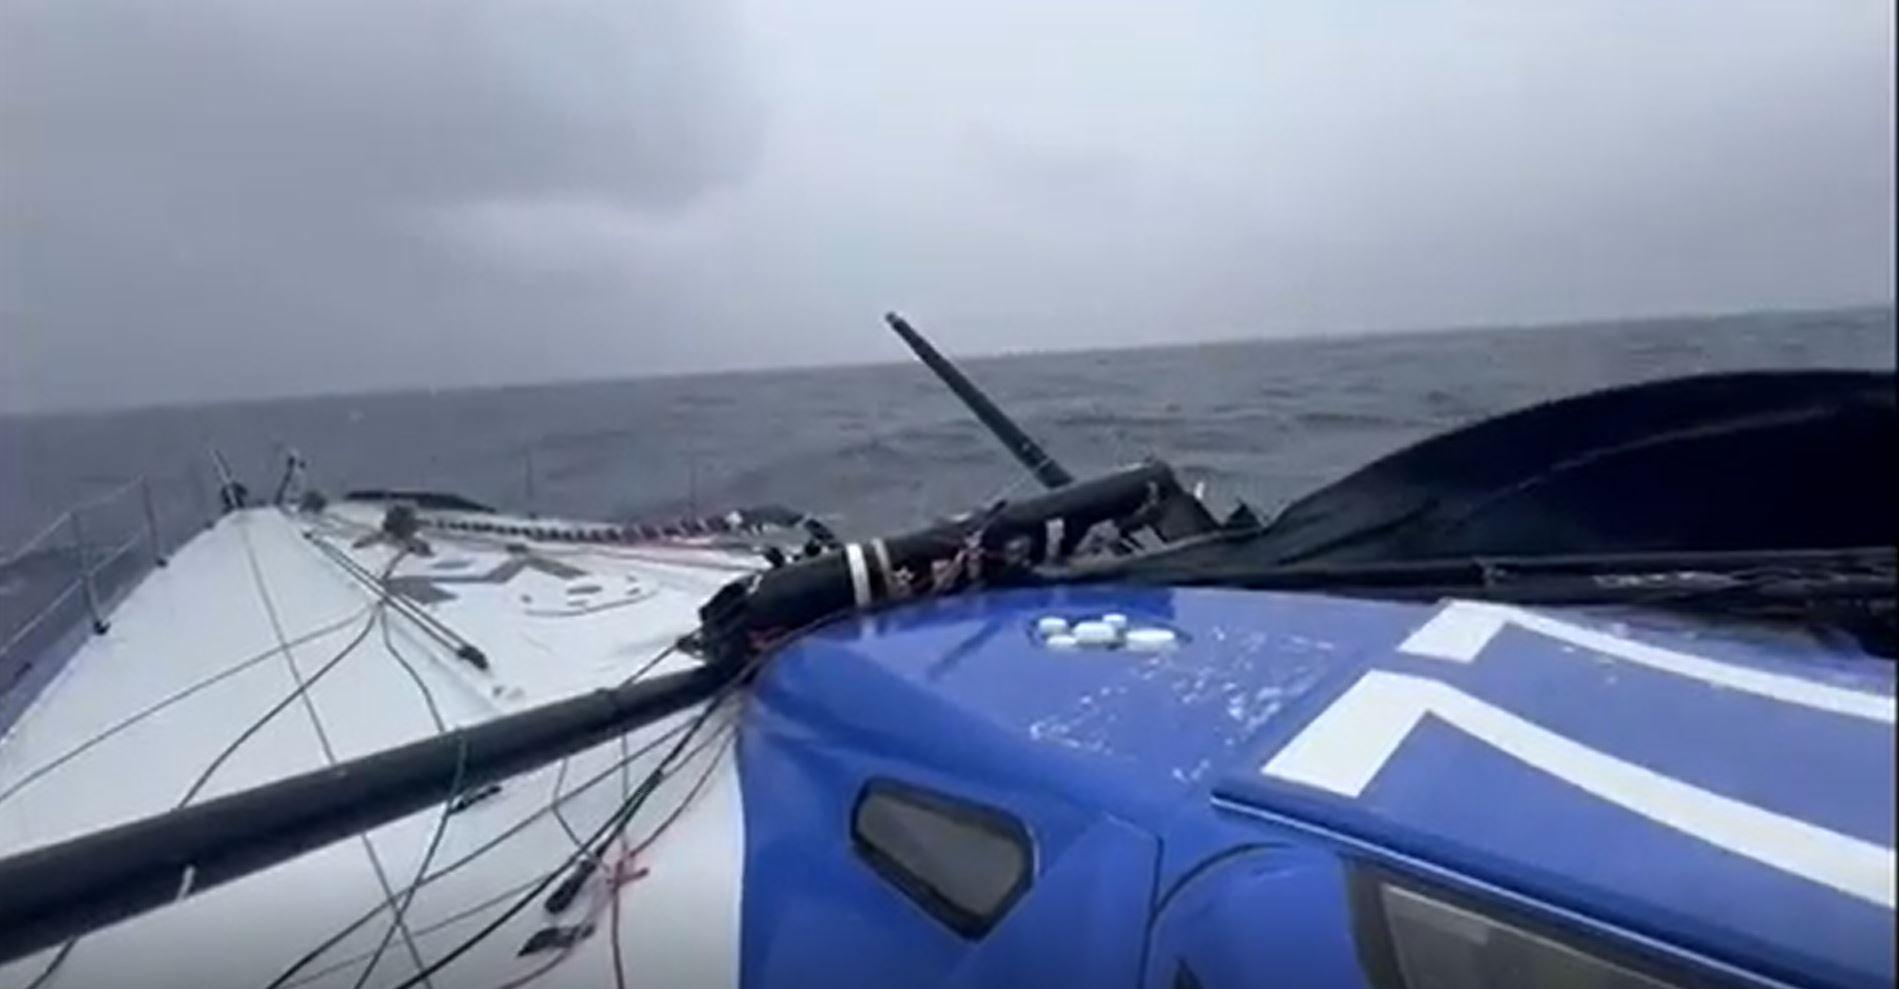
553, 619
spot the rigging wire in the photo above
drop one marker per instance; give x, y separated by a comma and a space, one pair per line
282, 648
533, 888
564, 893
626, 789
377, 616
428, 696
560, 776
399, 918
536, 890
729, 737
174, 698
482, 905
620, 868
59, 958
506, 833
257, 725
397, 921
553, 807
725, 735
607, 831
647, 667
302, 691
309, 705
277, 628
613, 927
609, 893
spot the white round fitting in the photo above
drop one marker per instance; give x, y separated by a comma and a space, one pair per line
1151, 639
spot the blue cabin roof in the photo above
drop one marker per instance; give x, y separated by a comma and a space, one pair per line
1723, 792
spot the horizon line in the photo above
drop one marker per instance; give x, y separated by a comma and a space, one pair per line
750, 370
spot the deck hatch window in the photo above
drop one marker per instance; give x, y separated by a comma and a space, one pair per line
1437, 945
963, 863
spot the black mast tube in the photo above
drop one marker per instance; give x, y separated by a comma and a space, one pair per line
1031, 454
61, 891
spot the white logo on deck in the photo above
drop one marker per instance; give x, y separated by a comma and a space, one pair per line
1345, 746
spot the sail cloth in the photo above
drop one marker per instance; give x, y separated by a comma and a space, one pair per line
1752, 461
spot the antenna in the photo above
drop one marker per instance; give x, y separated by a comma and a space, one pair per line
1026, 450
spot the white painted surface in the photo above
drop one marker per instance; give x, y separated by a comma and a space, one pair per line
860, 573
1344, 748
1460, 631
204, 612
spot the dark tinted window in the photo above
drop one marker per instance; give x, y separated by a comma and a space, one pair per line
963, 863
1413, 939
1440, 946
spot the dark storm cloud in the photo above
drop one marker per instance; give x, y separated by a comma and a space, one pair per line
203, 198
247, 197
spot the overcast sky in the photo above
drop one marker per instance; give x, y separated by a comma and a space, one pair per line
219, 198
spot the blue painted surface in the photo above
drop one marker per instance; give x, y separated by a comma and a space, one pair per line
1459, 803
958, 695
1264, 915
1084, 924
825, 721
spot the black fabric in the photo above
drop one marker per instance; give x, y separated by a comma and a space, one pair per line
1747, 461
441, 501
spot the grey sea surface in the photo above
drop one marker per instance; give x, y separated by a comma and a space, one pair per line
871, 448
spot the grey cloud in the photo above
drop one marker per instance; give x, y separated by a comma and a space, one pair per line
202, 199
1046, 173
364, 102
258, 186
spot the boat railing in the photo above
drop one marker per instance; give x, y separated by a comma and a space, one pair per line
70, 575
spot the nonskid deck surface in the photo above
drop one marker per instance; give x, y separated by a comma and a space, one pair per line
197, 653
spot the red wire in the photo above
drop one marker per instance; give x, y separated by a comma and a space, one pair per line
730, 729
620, 875
623, 872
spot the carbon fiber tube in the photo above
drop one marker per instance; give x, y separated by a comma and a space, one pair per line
1030, 453
860, 575
61, 891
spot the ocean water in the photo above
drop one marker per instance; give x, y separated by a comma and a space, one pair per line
874, 448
